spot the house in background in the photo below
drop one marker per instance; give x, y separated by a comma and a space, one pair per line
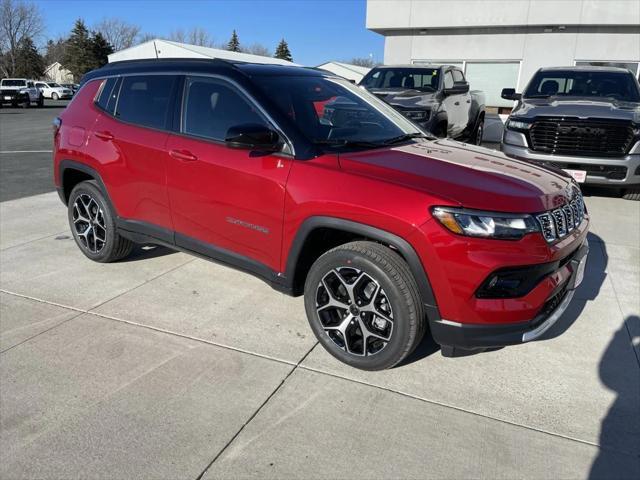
501, 43
345, 70
57, 73
159, 48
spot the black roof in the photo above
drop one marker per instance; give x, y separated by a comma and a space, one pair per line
203, 65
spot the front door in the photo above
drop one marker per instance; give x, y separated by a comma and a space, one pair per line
224, 200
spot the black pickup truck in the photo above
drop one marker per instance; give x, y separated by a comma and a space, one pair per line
437, 98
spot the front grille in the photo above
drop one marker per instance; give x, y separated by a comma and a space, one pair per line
573, 136
612, 172
558, 223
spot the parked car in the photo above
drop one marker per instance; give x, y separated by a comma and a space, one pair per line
71, 86
383, 230
54, 90
585, 120
19, 92
435, 97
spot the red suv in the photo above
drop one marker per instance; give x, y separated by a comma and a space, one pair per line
319, 188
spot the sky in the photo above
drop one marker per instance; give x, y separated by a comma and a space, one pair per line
316, 30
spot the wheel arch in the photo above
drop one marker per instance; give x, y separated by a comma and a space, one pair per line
72, 173
304, 251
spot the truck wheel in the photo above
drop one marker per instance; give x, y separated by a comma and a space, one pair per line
26, 103
54, 96
631, 194
479, 132
363, 305
93, 225
441, 130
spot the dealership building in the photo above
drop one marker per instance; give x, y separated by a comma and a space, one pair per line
501, 43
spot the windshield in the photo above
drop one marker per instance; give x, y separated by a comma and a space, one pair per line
576, 83
331, 111
425, 79
54, 85
13, 83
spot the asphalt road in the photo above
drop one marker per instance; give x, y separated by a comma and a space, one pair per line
25, 150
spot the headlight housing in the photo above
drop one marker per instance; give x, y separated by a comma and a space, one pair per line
518, 125
473, 223
417, 115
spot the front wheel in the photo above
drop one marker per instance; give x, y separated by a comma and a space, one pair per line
479, 132
93, 225
40, 101
363, 305
54, 96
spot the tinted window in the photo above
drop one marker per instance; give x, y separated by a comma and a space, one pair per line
417, 78
41, 85
106, 93
581, 83
448, 80
212, 106
144, 100
13, 83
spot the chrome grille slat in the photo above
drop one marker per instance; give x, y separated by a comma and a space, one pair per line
560, 222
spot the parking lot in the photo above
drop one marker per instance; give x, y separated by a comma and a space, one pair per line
168, 366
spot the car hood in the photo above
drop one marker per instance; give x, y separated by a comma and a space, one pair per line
466, 175
578, 107
405, 97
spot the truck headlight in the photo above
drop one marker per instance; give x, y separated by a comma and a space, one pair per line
504, 226
417, 115
518, 125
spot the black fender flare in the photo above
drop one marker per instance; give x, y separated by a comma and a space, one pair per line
374, 233
73, 165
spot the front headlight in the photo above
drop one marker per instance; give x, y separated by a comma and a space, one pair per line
504, 226
518, 125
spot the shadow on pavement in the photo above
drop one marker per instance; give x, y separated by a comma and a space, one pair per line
622, 416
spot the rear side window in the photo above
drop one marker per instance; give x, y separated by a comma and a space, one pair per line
108, 95
144, 100
212, 106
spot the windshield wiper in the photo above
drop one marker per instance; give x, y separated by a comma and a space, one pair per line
404, 138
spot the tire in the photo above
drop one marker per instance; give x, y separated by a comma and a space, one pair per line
54, 96
40, 101
390, 310
631, 194
93, 226
441, 130
478, 132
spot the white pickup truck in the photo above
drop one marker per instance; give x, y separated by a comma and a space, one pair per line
20, 91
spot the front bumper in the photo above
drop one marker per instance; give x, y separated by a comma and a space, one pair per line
474, 336
609, 171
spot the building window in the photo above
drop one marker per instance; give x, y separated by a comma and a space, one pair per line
633, 66
491, 78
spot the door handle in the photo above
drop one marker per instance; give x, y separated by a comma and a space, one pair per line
104, 135
468, 101
457, 103
183, 155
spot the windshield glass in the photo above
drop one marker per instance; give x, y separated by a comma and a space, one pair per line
425, 79
620, 86
13, 83
54, 85
330, 111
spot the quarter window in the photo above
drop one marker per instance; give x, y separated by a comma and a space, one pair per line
144, 100
108, 91
212, 106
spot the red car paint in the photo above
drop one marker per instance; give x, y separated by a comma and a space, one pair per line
202, 189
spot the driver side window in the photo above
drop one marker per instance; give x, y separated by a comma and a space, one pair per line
212, 106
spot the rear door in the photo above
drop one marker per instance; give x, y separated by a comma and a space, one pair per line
128, 138
222, 199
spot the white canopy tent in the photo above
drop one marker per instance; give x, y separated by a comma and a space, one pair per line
345, 70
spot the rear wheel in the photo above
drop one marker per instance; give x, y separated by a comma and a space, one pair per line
93, 225
363, 305
54, 96
631, 194
479, 131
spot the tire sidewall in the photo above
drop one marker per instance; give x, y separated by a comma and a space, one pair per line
393, 352
92, 189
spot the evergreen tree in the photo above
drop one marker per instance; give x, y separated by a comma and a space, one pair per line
101, 48
29, 63
234, 43
283, 52
79, 56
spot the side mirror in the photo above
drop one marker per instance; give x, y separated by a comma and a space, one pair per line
510, 94
457, 89
253, 136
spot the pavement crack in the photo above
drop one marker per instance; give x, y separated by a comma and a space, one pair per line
254, 414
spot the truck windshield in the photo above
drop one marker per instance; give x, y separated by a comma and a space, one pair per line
425, 79
335, 113
577, 83
14, 83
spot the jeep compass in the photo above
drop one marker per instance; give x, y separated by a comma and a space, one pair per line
321, 189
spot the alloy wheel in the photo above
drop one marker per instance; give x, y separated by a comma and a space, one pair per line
354, 311
89, 223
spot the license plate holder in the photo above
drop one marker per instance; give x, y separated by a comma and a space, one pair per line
578, 175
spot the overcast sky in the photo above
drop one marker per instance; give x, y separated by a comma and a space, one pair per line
316, 30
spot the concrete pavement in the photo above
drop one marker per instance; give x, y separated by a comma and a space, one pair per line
167, 366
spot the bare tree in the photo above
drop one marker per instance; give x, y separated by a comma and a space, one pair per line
145, 37
118, 33
18, 20
258, 49
194, 36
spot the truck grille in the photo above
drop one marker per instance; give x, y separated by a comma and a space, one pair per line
572, 136
558, 223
